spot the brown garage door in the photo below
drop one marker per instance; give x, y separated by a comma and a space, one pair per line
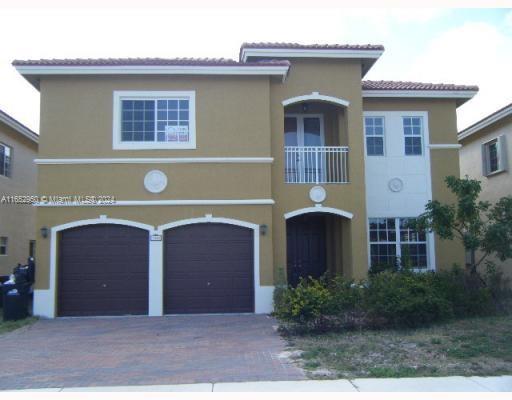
103, 270
208, 269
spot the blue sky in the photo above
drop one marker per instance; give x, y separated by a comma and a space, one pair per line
465, 46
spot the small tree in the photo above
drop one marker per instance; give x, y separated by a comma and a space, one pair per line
481, 226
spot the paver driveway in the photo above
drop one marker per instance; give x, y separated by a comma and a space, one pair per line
144, 350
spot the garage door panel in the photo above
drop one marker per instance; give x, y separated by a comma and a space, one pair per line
209, 268
103, 270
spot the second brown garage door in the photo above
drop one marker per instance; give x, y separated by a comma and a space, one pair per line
209, 268
103, 270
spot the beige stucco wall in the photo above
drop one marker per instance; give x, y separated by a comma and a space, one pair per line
17, 221
155, 215
232, 120
231, 115
340, 79
442, 123
495, 186
235, 117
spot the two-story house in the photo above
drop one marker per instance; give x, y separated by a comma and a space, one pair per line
225, 173
485, 154
18, 149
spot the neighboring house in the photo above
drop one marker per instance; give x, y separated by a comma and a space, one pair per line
227, 173
18, 149
485, 156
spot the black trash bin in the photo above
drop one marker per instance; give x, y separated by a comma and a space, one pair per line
15, 299
3, 279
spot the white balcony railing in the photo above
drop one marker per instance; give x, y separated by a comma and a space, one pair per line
309, 164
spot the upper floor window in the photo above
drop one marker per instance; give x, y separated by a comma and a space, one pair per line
5, 160
3, 245
413, 132
374, 132
494, 156
154, 120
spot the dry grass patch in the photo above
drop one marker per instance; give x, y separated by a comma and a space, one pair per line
9, 326
476, 346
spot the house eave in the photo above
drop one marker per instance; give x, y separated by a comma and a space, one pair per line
465, 133
459, 95
32, 73
309, 53
18, 127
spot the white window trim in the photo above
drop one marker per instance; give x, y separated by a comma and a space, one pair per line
119, 95
421, 134
300, 127
6, 245
383, 135
501, 154
9, 175
429, 241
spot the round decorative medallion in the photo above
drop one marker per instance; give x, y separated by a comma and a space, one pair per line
396, 185
155, 181
317, 194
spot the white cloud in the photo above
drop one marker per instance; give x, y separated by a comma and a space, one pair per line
508, 19
474, 53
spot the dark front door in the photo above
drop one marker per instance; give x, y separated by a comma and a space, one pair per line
306, 247
103, 270
209, 268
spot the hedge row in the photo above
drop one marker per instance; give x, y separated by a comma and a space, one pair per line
386, 299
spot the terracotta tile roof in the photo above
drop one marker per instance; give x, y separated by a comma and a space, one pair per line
267, 45
209, 62
403, 85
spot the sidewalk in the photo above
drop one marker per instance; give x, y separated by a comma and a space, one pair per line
444, 384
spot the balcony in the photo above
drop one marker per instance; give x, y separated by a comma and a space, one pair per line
316, 164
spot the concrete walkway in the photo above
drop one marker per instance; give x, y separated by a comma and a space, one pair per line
444, 384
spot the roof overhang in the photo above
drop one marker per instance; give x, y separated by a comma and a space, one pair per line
491, 119
459, 95
367, 56
18, 127
33, 72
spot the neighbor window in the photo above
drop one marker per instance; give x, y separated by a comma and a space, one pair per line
413, 136
494, 156
32, 248
394, 242
374, 132
5, 160
154, 120
3, 246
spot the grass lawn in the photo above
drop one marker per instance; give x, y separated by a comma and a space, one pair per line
478, 346
12, 325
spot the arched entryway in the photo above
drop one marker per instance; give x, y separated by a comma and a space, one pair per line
316, 139
317, 241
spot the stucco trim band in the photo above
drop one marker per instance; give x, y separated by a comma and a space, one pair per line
319, 209
153, 160
444, 146
316, 96
252, 202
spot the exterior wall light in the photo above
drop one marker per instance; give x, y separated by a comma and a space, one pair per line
44, 231
263, 229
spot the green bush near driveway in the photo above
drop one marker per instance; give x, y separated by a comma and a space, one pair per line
385, 299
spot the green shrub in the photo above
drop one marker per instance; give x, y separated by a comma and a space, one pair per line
306, 303
399, 299
405, 299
